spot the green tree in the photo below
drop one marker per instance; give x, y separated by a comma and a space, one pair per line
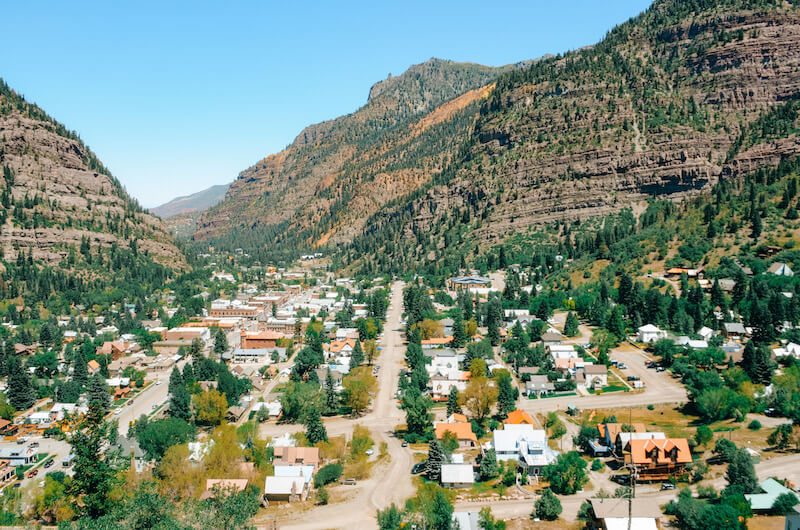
417, 408
487, 521
436, 458
159, 435
220, 342
357, 356
180, 401
20, 392
567, 474
80, 371
488, 468
506, 398
741, 472
331, 397
98, 393
571, 325
390, 519
452, 402
315, 428
439, 515
703, 435
459, 332
547, 507
784, 503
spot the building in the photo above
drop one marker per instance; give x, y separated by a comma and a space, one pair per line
467, 520
650, 333
307, 472
463, 432
657, 459
592, 376
468, 282
257, 355
285, 489
296, 456
539, 385
734, 329
260, 340
187, 333
771, 489
19, 455
780, 269
235, 308
441, 384
793, 519
7, 472
552, 338
457, 476
612, 514
518, 417
437, 342
525, 445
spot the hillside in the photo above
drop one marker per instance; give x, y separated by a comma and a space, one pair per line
58, 199
660, 107
336, 173
196, 202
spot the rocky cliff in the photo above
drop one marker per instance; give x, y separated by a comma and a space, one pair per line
56, 195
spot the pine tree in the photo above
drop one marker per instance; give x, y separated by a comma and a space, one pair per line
452, 402
315, 429
20, 393
357, 356
435, 460
762, 368
488, 468
505, 398
220, 342
571, 325
741, 471
180, 400
98, 393
331, 398
459, 333
80, 372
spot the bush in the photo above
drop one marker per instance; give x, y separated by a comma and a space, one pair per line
322, 496
327, 474
547, 507
597, 464
651, 407
706, 492
754, 425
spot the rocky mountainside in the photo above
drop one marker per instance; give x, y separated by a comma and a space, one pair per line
668, 103
57, 197
196, 202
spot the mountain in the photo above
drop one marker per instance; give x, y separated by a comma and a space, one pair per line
667, 104
196, 202
59, 202
336, 173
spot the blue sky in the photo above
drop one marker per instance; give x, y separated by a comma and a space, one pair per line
177, 96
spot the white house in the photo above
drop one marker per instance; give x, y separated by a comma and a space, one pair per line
706, 333
592, 376
457, 475
285, 489
650, 333
524, 444
780, 269
790, 349
307, 472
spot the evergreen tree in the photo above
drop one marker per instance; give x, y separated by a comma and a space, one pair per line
488, 468
20, 392
459, 333
506, 398
440, 514
763, 367
80, 371
436, 458
452, 402
571, 325
220, 342
494, 317
179, 398
98, 394
357, 356
315, 428
331, 398
741, 472
547, 507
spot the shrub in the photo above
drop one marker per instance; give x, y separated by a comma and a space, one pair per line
651, 407
322, 496
754, 425
597, 464
327, 474
547, 507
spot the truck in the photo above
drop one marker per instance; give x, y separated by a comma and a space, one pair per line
67, 462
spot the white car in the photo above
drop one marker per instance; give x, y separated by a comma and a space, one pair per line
159, 382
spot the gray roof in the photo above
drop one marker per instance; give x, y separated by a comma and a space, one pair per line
734, 327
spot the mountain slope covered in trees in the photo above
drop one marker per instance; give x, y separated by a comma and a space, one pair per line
667, 104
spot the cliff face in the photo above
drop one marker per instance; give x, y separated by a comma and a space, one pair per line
56, 193
664, 105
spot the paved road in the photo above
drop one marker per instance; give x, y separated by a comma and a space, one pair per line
155, 395
391, 483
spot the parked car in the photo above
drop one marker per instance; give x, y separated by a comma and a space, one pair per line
404, 444
349, 482
370, 452
660, 369
34, 445
622, 366
667, 486
633, 378
418, 468
49, 463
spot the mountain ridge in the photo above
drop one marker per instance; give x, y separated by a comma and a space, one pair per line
192, 202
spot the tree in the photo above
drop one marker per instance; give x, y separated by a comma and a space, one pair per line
571, 325
220, 342
784, 503
358, 386
781, 437
20, 393
180, 401
703, 435
479, 397
724, 449
99, 393
159, 435
80, 371
567, 474
486, 519
210, 407
547, 507
459, 331
357, 356
488, 468
436, 458
370, 350
506, 398
452, 402
315, 429
417, 408
439, 514
331, 397
494, 316
741, 472
390, 519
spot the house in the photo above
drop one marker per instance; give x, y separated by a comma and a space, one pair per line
296, 456
437, 342
257, 355
650, 333
441, 384
442, 362
117, 348
657, 459
517, 417
706, 333
614, 513
467, 520
551, 338
771, 489
459, 283
792, 519
129, 448
523, 444
19, 455
92, 366
695, 344
307, 472
259, 340
734, 329
7, 471
285, 489
609, 432
790, 349
539, 385
593, 376
780, 269
457, 475
463, 431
